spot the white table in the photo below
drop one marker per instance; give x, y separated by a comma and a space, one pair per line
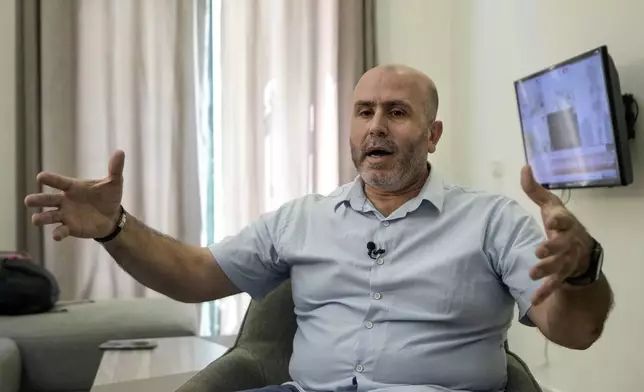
164, 368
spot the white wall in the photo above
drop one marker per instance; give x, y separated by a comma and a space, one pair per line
482, 47
426, 24
8, 198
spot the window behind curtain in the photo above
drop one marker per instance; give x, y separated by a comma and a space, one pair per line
281, 73
207, 150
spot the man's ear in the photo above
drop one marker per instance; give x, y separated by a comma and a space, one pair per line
434, 135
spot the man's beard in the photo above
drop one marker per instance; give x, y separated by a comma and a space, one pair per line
393, 174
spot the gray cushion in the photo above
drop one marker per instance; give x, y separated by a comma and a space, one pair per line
60, 349
9, 366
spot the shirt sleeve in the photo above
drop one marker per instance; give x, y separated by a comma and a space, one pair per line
251, 258
513, 238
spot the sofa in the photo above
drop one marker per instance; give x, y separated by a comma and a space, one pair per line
58, 351
261, 353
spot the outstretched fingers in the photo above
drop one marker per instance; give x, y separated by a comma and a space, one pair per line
46, 217
43, 200
535, 191
116, 164
60, 233
55, 181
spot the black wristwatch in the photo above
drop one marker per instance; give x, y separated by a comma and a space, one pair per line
594, 267
119, 226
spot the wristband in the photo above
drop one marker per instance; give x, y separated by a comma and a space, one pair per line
119, 226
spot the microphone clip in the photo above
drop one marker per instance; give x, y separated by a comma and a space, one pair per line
373, 252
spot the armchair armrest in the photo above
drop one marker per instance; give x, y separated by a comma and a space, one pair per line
237, 370
520, 379
10, 366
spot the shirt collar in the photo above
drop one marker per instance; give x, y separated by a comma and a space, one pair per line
433, 191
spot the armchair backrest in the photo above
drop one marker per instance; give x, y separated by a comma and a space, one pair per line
267, 331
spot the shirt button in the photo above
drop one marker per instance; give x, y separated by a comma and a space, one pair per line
380, 261
377, 295
386, 223
368, 325
359, 369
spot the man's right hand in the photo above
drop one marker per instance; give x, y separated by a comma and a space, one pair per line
82, 208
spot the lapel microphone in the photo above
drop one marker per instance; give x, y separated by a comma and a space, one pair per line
373, 252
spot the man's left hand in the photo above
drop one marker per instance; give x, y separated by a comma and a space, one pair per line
566, 251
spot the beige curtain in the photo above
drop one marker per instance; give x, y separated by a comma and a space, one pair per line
356, 54
28, 122
284, 77
123, 74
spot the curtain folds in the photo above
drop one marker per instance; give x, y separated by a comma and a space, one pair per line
120, 74
225, 109
28, 122
285, 72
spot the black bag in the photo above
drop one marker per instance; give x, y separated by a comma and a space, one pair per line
25, 287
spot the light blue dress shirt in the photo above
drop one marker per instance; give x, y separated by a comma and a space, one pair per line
431, 314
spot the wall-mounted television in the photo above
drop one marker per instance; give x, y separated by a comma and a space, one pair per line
574, 123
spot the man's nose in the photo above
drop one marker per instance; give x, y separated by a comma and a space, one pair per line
378, 124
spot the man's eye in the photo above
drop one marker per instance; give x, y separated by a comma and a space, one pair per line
397, 113
364, 113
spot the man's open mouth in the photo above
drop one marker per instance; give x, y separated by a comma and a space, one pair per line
377, 152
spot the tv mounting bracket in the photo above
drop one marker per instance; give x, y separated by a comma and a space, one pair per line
631, 111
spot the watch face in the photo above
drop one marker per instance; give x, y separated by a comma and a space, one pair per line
594, 269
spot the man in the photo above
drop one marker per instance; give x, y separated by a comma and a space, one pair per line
400, 281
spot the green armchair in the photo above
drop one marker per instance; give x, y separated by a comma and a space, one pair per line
262, 351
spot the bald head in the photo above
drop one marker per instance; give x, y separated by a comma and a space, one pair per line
429, 92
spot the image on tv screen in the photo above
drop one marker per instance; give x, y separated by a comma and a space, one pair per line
566, 125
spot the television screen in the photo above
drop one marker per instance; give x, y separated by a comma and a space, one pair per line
567, 122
